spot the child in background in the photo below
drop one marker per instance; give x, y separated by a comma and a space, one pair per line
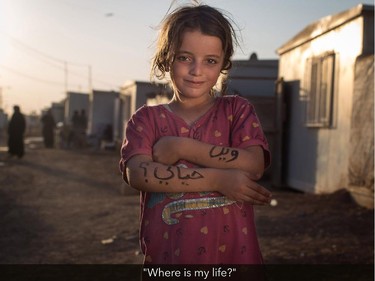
196, 160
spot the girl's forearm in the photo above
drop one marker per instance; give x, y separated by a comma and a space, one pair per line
146, 175
208, 155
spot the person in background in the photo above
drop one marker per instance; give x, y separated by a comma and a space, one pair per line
197, 159
81, 128
16, 132
76, 129
82, 121
75, 119
48, 129
108, 133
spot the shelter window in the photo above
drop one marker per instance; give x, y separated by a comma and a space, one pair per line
318, 89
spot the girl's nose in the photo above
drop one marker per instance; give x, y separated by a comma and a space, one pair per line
196, 68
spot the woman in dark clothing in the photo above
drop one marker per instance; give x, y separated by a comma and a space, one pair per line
48, 129
16, 131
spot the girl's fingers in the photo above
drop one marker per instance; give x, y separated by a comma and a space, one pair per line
259, 192
252, 199
260, 198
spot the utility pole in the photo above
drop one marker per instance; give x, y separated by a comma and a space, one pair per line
90, 79
66, 76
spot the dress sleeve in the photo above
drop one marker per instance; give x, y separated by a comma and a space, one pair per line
139, 137
246, 129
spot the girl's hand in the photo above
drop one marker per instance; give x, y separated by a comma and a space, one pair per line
166, 150
238, 186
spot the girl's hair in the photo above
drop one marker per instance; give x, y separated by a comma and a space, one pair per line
210, 21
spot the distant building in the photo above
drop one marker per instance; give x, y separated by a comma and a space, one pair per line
57, 109
3, 119
3, 126
33, 125
133, 95
75, 102
102, 113
253, 77
328, 87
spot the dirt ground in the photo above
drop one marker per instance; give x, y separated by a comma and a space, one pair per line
71, 207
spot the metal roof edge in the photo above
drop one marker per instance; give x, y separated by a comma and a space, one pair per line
324, 25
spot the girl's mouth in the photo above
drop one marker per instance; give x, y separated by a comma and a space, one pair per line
194, 83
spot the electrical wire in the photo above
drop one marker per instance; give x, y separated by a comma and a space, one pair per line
30, 77
24, 46
55, 62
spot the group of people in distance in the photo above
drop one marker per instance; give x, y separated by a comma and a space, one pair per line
74, 135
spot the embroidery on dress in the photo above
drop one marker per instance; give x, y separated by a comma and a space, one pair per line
192, 204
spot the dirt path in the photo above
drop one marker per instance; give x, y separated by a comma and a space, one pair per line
68, 207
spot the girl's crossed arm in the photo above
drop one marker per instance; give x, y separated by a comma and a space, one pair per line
168, 150
144, 174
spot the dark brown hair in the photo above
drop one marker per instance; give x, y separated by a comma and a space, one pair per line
210, 21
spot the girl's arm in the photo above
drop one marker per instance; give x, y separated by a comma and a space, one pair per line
144, 174
168, 150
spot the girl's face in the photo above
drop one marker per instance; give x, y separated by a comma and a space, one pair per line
197, 65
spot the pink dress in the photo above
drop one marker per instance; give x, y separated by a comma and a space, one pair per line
198, 228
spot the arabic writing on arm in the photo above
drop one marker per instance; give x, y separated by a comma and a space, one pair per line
222, 153
164, 174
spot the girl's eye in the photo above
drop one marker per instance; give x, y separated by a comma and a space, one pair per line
212, 61
183, 58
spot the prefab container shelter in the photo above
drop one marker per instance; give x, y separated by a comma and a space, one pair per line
327, 83
102, 111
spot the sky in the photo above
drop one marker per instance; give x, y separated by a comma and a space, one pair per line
50, 46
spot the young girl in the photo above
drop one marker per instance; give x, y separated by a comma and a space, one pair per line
196, 159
